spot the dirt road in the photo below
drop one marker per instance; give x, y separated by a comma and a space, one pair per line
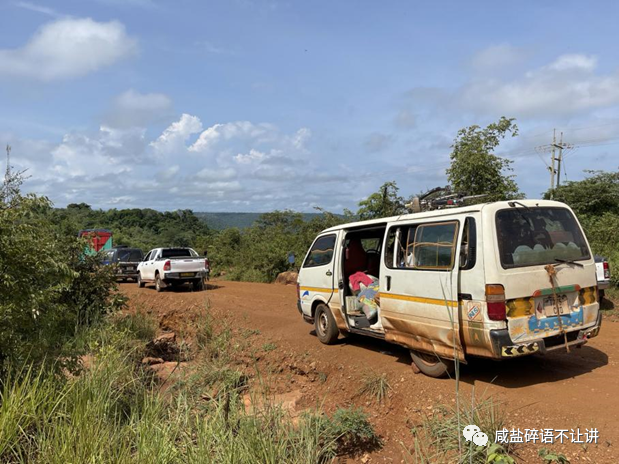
558, 391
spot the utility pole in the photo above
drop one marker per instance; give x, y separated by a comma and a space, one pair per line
552, 162
552, 148
560, 146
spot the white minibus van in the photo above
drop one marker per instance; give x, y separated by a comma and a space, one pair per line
495, 280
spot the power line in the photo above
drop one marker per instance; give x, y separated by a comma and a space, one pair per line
553, 148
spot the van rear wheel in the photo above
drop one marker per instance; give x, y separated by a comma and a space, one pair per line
432, 365
326, 328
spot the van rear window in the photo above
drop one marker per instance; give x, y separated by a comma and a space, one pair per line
538, 236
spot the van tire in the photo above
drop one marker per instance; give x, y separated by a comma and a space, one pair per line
158, 284
139, 281
326, 328
431, 365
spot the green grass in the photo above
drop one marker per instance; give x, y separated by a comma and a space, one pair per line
269, 347
112, 412
376, 386
439, 437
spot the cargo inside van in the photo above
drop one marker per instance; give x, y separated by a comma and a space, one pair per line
361, 277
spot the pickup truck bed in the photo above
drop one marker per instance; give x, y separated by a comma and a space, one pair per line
172, 266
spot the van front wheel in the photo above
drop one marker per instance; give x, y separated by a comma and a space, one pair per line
326, 329
431, 365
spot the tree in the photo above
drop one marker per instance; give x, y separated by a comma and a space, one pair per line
384, 203
48, 287
596, 195
475, 169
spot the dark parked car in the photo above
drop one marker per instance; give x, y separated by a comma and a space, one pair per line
126, 261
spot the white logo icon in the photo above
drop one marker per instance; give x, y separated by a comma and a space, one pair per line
469, 431
480, 439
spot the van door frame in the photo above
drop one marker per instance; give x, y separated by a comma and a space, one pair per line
342, 285
406, 308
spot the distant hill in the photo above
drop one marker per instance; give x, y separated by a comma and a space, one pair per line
220, 221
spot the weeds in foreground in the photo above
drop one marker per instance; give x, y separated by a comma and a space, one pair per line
376, 386
113, 413
437, 438
552, 457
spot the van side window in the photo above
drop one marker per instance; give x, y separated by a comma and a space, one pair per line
424, 246
321, 252
433, 247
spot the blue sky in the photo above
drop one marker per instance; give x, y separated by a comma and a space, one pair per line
244, 105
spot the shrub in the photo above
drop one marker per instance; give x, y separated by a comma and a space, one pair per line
48, 287
376, 386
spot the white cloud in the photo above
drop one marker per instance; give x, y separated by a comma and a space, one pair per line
37, 9
217, 133
566, 86
574, 62
173, 139
168, 173
134, 109
68, 48
108, 151
212, 174
301, 137
252, 157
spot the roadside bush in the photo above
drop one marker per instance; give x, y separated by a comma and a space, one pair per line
48, 288
595, 200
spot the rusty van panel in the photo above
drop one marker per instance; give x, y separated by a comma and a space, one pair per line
336, 310
422, 331
473, 329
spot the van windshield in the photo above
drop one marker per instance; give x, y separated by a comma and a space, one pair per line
537, 236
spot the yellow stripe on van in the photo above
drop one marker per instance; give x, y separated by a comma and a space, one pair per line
419, 299
319, 289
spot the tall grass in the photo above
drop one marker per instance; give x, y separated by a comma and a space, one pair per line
375, 386
112, 413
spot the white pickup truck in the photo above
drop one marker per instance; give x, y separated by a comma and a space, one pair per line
602, 272
172, 266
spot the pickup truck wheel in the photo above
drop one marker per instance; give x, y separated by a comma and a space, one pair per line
432, 365
139, 281
158, 284
326, 328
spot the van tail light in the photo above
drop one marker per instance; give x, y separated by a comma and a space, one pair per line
606, 270
298, 291
167, 266
207, 265
495, 298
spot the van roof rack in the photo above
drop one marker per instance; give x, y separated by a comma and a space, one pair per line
439, 198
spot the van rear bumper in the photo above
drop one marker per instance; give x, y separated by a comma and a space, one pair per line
503, 347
